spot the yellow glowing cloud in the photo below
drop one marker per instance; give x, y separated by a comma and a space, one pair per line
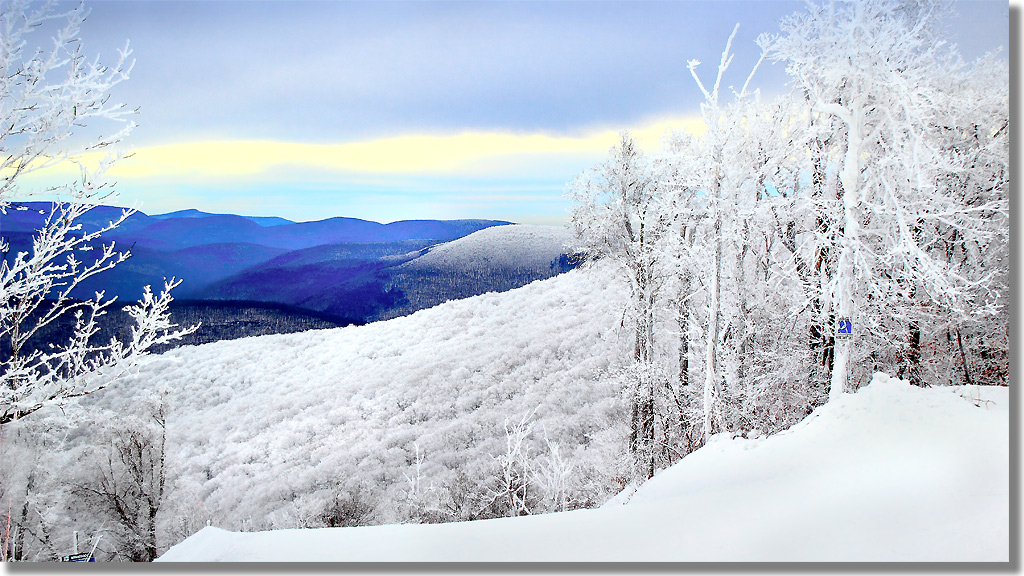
470, 153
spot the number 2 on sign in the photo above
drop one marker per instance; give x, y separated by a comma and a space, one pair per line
845, 327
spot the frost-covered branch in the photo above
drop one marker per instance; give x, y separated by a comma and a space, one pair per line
56, 111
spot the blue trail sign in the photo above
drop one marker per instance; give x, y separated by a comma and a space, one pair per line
844, 328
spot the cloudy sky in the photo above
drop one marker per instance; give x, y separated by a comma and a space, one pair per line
396, 110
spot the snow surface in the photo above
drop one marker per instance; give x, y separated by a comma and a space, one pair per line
890, 473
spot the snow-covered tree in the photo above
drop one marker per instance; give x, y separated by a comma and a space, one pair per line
617, 215
972, 131
54, 106
553, 475
877, 67
874, 194
731, 190
128, 484
515, 495
685, 266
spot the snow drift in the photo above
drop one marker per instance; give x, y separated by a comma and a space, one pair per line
890, 473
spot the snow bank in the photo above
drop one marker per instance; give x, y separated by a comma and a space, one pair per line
891, 473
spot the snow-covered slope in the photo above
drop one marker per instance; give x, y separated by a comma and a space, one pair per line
494, 259
267, 432
514, 246
891, 473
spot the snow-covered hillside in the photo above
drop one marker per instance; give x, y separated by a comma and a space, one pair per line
269, 432
891, 473
513, 246
495, 259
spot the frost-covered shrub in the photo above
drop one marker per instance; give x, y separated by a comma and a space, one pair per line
352, 507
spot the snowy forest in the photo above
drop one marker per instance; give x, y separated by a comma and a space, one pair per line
733, 282
858, 224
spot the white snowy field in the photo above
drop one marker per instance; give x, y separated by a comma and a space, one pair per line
891, 473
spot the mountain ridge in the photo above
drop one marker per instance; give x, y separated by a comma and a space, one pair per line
350, 269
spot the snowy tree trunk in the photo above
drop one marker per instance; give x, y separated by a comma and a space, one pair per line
155, 493
914, 354
822, 339
643, 428
684, 347
846, 270
963, 359
714, 305
742, 308
18, 546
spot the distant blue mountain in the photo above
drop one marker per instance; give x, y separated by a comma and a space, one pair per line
193, 213
178, 233
189, 213
269, 220
189, 228
198, 267
343, 280
30, 216
224, 256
